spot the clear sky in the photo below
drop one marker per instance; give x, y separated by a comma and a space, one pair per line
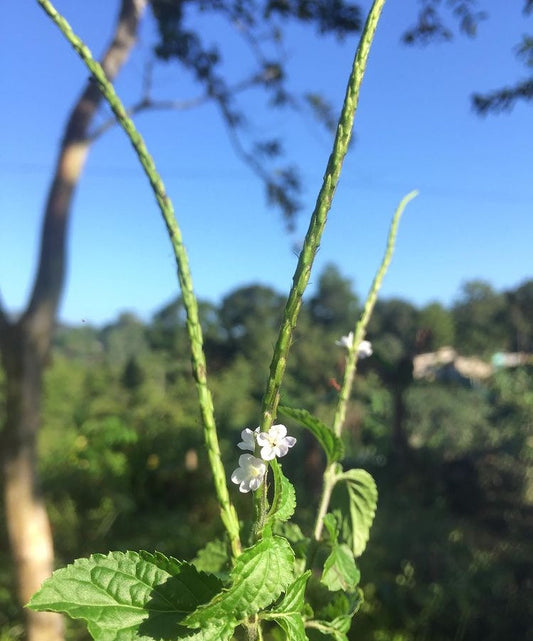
414, 129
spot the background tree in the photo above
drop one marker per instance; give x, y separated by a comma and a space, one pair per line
436, 327
438, 20
520, 305
334, 305
480, 321
25, 344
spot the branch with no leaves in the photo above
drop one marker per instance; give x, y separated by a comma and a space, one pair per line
147, 103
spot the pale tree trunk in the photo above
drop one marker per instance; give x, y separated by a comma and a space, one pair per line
25, 346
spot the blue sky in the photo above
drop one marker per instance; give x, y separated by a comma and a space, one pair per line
414, 129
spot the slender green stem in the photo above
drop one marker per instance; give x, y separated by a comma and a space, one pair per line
362, 324
318, 218
330, 474
228, 513
328, 483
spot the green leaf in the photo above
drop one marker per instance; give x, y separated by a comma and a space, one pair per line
212, 558
343, 606
331, 444
261, 574
339, 614
340, 571
284, 501
288, 612
293, 599
330, 628
129, 596
331, 524
219, 631
363, 495
293, 626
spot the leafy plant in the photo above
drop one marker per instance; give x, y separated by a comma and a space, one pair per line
280, 579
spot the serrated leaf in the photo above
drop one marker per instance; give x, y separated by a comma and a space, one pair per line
339, 612
127, 596
363, 496
212, 558
293, 626
331, 444
261, 574
288, 612
219, 631
328, 627
340, 571
343, 606
284, 501
293, 599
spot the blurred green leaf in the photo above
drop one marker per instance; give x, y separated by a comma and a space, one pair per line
340, 571
331, 444
363, 495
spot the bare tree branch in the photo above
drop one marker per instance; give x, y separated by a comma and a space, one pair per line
282, 186
147, 103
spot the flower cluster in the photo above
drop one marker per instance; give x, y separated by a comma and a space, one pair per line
274, 443
363, 351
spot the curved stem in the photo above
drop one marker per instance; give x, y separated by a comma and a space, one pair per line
330, 474
362, 324
228, 513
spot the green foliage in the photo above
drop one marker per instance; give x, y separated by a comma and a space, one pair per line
287, 613
340, 571
98, 433
334, 306
363, 498
149, 596
468, 499
437, 327
129, 595
284, 501
480, 321
330, 443
261, 573
212, 558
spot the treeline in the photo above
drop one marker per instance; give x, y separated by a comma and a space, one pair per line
123, 463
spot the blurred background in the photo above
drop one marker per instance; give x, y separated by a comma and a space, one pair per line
237, 102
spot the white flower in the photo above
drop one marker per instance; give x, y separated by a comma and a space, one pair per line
365, 349
250, 473
248, 439
275, 442
345, 341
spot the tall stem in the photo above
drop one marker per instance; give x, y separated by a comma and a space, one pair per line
319, 217
330, 473
362, 324
228, 513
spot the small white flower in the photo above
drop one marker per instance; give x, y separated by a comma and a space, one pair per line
345, 341
275, 442
248, 439
250, 473
365, 349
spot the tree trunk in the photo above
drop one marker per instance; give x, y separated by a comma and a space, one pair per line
27, 522
25, 346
